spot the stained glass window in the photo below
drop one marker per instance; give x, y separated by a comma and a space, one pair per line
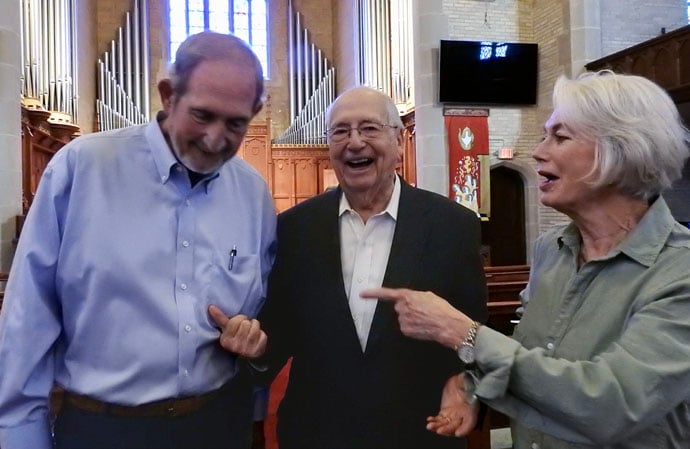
247, 19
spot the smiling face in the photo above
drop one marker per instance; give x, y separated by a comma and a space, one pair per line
206, 124
566, 159
365, 166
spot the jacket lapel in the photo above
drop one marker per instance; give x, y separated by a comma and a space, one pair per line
409, 239
327, 243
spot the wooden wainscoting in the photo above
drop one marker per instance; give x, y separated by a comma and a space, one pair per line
296, 173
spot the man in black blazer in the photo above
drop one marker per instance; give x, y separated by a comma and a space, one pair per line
355, 380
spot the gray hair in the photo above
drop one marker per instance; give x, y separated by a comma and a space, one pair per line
641, 142
212, 46
391, 110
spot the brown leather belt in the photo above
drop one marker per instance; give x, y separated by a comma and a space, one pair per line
165, 407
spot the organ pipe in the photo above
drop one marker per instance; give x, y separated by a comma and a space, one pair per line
385, 44
48, 54
311, 85
123, 94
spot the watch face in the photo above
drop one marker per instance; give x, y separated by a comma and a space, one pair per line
466, 353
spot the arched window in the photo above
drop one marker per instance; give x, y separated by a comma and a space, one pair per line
247, 19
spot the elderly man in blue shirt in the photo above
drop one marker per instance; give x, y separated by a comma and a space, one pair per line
141, 246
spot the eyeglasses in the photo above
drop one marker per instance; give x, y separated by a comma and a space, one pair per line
367, 131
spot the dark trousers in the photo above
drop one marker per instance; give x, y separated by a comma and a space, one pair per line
225, 422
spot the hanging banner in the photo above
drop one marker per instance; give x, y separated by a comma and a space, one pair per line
468, 161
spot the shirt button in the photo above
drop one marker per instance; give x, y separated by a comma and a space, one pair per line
188, 328
164, 178
186, 374
360, 280
188, 202
183, 286
535, 446
185, 243
549, 346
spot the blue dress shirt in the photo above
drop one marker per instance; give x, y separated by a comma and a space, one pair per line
117, 264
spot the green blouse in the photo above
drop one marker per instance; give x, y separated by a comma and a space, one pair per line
601, 357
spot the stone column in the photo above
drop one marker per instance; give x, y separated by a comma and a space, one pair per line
429, 27
10, 129
585, 33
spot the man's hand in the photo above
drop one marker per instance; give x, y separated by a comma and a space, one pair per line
239, 334
457, 417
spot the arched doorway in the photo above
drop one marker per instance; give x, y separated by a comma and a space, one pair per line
504, 233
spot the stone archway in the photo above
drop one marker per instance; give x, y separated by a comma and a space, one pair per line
513, 226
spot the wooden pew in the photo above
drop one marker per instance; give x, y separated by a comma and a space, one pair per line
504, 285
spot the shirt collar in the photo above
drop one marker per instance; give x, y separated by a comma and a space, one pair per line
162, 156
391, 209
643, 244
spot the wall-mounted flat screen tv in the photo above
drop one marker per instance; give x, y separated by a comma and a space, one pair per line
488, 73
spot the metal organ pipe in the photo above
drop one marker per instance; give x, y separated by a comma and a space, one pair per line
48, 54
291, 61
385, 44
312, 86
123, 74
146, 62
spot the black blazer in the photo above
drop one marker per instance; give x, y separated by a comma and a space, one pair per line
337, 395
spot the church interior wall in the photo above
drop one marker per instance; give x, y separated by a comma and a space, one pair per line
568, 32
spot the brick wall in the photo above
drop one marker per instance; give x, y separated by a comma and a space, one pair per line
625, 22
547, 23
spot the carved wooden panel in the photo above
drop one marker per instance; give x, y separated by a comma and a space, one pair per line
664, 60
684, 62
256, 151
282, 181
296, 173
408, 168
665, 68
40, 141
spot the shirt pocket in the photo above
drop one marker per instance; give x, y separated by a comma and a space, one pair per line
235, 284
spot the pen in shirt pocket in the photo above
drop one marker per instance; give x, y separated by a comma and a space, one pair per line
233, 253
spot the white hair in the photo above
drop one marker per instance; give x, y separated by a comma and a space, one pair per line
641, 142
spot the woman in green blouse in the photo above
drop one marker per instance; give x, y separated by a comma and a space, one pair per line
601, 357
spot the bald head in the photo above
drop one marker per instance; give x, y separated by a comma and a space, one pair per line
367, 97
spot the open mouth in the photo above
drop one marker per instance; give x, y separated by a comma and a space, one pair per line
359, 163
548, 178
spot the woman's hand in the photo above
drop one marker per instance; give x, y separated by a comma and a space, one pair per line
458, 415
425, 315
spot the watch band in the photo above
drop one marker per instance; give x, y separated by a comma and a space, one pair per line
466, 348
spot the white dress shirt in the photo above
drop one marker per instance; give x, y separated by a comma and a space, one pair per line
364, 250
